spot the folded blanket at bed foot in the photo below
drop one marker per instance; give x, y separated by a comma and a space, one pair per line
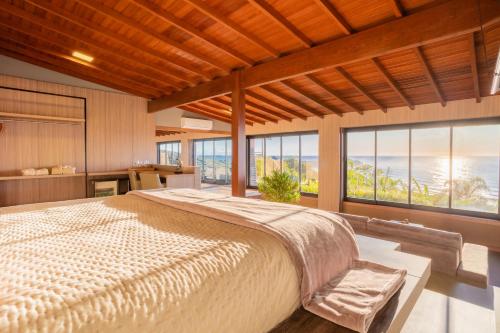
335, 284
353, 298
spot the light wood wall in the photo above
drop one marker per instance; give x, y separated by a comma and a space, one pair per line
119, 132
329, 130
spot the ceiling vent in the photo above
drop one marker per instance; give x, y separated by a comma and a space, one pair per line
199, 124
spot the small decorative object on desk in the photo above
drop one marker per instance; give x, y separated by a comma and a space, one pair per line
179, 166
42, 172
28, 172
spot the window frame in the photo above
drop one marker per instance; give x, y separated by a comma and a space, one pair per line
193, 156
280, 135
409, 127
158, 144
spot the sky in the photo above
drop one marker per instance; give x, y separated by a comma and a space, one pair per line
480, 140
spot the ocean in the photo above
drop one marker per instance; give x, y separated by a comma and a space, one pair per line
434, 171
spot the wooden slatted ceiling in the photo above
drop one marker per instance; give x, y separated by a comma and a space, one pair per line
155, 47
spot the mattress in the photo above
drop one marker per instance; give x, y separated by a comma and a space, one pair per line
126, 264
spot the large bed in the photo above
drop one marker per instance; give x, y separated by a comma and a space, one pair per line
130, 264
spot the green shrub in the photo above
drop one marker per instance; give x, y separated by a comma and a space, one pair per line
279, 187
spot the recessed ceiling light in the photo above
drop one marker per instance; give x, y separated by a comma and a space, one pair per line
82, 56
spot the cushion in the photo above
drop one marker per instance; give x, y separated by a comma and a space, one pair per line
357, 222
416, 233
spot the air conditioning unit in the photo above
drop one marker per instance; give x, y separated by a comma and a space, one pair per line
199, 124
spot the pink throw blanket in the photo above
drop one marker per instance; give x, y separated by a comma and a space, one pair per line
335, 285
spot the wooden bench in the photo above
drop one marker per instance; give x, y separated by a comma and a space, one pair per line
393, 316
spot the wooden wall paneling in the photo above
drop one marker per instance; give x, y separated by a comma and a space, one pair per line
119, 131
96, 133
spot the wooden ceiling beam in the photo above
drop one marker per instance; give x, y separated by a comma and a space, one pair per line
449, 20
275, 105
293, 101
159, 85
428, 74
223, 118
390, 81
225, 104
42, 61
171, 19
266, 110
119, 38
474, 71
252, 109
346, 76
168, 74
202, 106
218, 17
332, 93
311, 98
190, 130
32, 50
108, 12
274, 15
330, 10
397, 8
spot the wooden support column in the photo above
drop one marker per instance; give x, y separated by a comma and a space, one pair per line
238, 176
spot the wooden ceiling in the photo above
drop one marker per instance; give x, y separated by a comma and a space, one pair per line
165, 49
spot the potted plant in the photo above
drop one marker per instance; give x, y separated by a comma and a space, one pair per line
279, 187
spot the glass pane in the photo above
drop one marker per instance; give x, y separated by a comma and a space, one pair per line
475, 168
291, 156
162, 154
430, 166
273, 154
220, 161
360, 165
309, 163
228, 160
256, 160
392, 165
169, 153
208, 160
175, 153
198, 154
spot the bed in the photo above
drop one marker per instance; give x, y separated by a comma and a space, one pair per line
135, 264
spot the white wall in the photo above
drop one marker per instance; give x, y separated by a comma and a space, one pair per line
17, 68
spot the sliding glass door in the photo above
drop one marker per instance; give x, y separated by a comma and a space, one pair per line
213, 156
294, 153
168, 152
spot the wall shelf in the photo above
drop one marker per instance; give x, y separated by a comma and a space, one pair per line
80, 174
39, 118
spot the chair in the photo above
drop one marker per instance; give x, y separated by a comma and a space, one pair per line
134, 183
150, 181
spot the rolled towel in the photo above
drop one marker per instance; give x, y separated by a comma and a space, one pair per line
28, 172
68, 170
56, 170
42, 172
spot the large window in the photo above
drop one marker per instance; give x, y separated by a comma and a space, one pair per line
213, 156
452, 167
168, 152
295, 153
